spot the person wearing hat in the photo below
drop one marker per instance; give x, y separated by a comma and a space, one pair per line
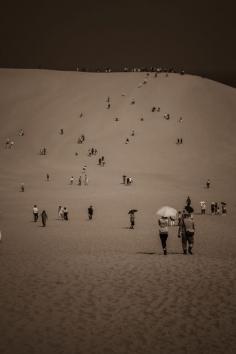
186, 232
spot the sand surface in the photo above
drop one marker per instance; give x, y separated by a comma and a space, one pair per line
96, 286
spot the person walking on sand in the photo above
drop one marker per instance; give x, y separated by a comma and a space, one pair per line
35, 213
44, 217
22, 187
85, 180
65, 213
60, 212
203, 207
186, 232
163, 232
132, 220
71, 180
208, 184
124, 179
212, 208
90, 212
47, 176
79, 181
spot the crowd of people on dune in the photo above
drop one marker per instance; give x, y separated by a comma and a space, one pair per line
151, 69
184, 219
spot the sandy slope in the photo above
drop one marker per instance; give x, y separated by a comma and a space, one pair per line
98, 287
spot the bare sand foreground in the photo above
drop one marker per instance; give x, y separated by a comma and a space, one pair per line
96, 286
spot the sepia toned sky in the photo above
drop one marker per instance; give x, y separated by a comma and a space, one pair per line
197, 36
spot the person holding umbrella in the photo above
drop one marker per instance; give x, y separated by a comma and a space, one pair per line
165, 213
163, 232
132, 217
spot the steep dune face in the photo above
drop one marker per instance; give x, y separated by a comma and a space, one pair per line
42, 102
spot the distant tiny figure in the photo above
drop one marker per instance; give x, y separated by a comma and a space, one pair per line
203, 207
127, 140
153, 109
116, 119
108, 106
79, 181
21, 132
47, 176
132, 220
90, 212
133, 101
163, 232
217, 208
108, 99
11, 144
212, 208
208, 184
181, 141
178, 141
99, 161
81, 115
35, 213
124, 179
71, 180
62, 131
44, 217
142, 119
180, 120
188, 201
129, 181
223, 208
65, 213
158, 109
167, 116
85, 180
132, 132
22, 187
60, 212
7, 143
76, 153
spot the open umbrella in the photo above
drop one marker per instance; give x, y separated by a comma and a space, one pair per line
167, 212
131, 211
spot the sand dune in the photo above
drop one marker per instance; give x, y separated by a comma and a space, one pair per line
98, 287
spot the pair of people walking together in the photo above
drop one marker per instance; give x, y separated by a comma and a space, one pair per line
185, 232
